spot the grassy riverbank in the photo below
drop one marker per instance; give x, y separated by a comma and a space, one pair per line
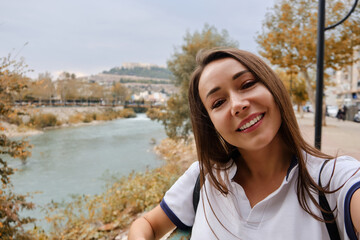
29, 121
109, 214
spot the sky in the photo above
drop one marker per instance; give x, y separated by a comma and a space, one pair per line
86, 37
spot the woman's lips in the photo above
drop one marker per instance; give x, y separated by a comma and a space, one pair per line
250, 122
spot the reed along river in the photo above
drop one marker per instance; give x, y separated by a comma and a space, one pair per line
77, 160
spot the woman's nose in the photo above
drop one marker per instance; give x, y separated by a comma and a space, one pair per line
238, 105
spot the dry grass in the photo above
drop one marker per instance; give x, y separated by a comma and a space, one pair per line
76, 118
40, 121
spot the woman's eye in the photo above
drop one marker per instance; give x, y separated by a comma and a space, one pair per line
217, 104
248, 84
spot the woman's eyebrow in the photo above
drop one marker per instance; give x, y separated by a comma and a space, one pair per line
237, 75
212, 91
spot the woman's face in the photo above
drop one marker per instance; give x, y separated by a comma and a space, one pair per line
241, 108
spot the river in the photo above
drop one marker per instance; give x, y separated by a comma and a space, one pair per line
78, 160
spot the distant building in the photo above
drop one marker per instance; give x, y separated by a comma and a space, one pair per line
143, 65
148, 96
348, 83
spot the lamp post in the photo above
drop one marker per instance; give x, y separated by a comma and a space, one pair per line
320, 66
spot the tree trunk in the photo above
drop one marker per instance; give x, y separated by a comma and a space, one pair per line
311, 94
300, 110
310, 91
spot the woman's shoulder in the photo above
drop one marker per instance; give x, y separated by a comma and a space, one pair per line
344, 160
338, 167
194, 169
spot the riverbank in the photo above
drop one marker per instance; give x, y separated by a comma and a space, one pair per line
109, 214
21, 125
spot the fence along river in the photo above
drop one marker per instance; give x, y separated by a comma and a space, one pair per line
76, 160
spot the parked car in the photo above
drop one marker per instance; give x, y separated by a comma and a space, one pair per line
357, 117
331, 111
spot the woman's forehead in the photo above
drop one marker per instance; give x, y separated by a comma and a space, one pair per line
218, 70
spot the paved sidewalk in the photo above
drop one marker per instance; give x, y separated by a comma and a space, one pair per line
338, 137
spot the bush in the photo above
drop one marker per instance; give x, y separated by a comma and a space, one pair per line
155, 114
89, 117
110, 114
15, 119
76, 118
43, 120
127, 113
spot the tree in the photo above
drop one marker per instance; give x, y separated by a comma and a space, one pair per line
96, 91
288, 39
42, 88
119, 92
295, 84
12, 81
182, 63
69, 89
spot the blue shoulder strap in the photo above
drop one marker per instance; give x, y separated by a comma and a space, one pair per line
196, 193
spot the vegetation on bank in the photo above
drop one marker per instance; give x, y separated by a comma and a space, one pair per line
12, 81
46, 120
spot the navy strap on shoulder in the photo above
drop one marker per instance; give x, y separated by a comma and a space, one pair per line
328, 215
196, 193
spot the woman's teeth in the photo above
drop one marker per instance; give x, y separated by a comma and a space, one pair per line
251, 123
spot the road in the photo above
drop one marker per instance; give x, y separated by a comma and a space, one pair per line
338, 137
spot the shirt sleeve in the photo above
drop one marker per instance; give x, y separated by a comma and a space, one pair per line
347, 178
178, 200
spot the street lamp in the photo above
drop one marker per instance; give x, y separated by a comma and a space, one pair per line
320, 67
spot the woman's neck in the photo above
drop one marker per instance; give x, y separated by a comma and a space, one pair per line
263, 164
261, 172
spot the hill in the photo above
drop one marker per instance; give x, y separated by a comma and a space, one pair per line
145, 71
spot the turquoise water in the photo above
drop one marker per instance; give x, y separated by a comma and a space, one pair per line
76, 160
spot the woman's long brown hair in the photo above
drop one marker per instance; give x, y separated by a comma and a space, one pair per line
215, 153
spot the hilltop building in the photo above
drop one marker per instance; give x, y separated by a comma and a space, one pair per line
129, 65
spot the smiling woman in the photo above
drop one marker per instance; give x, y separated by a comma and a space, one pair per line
241, 107
254, 165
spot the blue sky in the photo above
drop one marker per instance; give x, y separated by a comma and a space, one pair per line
89, 36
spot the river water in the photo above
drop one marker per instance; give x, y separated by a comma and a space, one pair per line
77, 160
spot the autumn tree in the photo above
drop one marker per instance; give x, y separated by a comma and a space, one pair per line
88, 91
12, 81
41, 89
176, 120
96, 91
119, 92
295, 85
289, 35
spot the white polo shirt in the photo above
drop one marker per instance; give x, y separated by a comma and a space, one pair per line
278, 216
